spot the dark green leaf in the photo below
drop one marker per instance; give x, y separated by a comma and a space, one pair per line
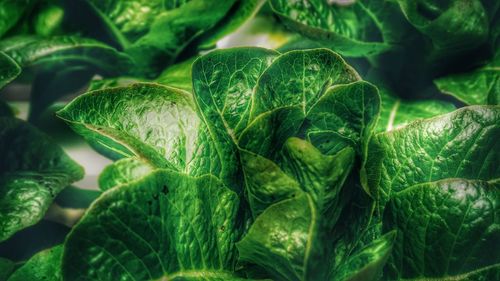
164, 226
33, 171
44, 266
451, 25
449, 231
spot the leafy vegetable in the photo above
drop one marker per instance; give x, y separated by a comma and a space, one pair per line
33, 171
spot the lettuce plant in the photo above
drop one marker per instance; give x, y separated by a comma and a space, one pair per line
250, 163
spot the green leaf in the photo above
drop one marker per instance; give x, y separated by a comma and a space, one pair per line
62, 51
396, 112
355, 28
44, 266
452, 26
123, 171
224, 82
480, 86
155, 122
459, 144
11, 12
449, 231
299, 78
9, 69
367, 264
164, 226
33, 171
282, 238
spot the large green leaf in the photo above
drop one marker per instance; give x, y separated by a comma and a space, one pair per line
449, 230
44, 266
396, 112
165, 226
459, 144
33, 171
480, 86
154, 122
353, 28
155, 32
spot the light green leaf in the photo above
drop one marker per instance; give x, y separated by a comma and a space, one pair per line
449, 231
44, 266
480, 86
352, 28
396, 112
165, 226
123, 171
460, 144
33, 171
152, 121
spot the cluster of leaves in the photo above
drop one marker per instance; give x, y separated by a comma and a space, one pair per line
256, 164
451, 44
61, 44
